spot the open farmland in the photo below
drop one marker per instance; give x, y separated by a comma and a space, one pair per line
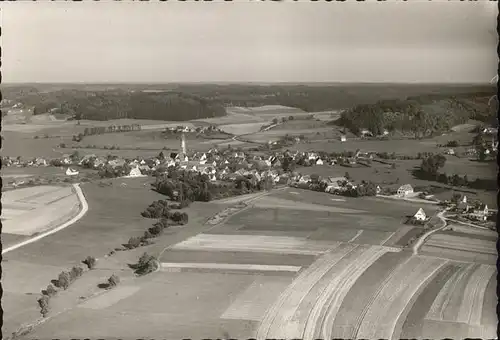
273, 135
143, 140
33, 210
242, 128
461, 248
250, 277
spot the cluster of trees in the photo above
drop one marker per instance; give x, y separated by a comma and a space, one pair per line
145, 265
430, 166
184, 186
120, 104
429, 170
108, 171
162, 209
63, 281
99, 130
421, 116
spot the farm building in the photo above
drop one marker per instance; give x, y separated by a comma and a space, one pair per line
71, 172
365, 132
420, 215
135, 172
405, 190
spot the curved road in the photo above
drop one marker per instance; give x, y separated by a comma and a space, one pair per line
83, 211
418, 244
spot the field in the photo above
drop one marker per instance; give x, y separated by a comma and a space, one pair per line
461, 247
326, 269
33, 210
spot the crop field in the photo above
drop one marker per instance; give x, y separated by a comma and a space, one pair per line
272, 134
254, 301
278, 203
111, 220
467, 231
460, 302
236, 257
254, 243
192, 311
32, 210
242, 128
381, 316
141, 139
375, 206
24, 145
463, 244
309, 305
297, 125
402, 146
473, 169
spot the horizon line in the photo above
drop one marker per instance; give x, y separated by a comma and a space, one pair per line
245, 82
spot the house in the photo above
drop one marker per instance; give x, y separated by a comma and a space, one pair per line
490, 131
66, 160
203, 161
420, 215
365, 132
450, 152
135, 172
405, 190
343, 138
312, 156
203, 157
41, 162
319, 162
71, 172
378, 190
305, 179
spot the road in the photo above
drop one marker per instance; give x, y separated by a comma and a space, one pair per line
419, 243
83, 211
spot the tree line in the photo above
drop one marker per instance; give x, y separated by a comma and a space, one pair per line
429, 170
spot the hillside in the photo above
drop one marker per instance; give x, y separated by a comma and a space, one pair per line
119, 104
421, 115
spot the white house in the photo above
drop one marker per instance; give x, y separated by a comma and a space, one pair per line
135, 172
343, 138
203, 157
71, 172
464, 199
420, 215
450, 152
203, 161
319, 162
405, 190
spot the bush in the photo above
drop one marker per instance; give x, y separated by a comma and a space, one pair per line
156, 230
75, 273
50, 291
148, 235
146, 264
113, 281
64, 280
43, 302
133, 242
90, 262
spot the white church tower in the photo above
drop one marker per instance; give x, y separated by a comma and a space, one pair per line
183, 144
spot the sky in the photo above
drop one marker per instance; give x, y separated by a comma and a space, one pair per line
249, 41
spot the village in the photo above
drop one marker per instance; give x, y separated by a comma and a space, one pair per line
229, 165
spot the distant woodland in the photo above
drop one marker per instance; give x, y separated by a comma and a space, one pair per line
420, 115
371, 106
